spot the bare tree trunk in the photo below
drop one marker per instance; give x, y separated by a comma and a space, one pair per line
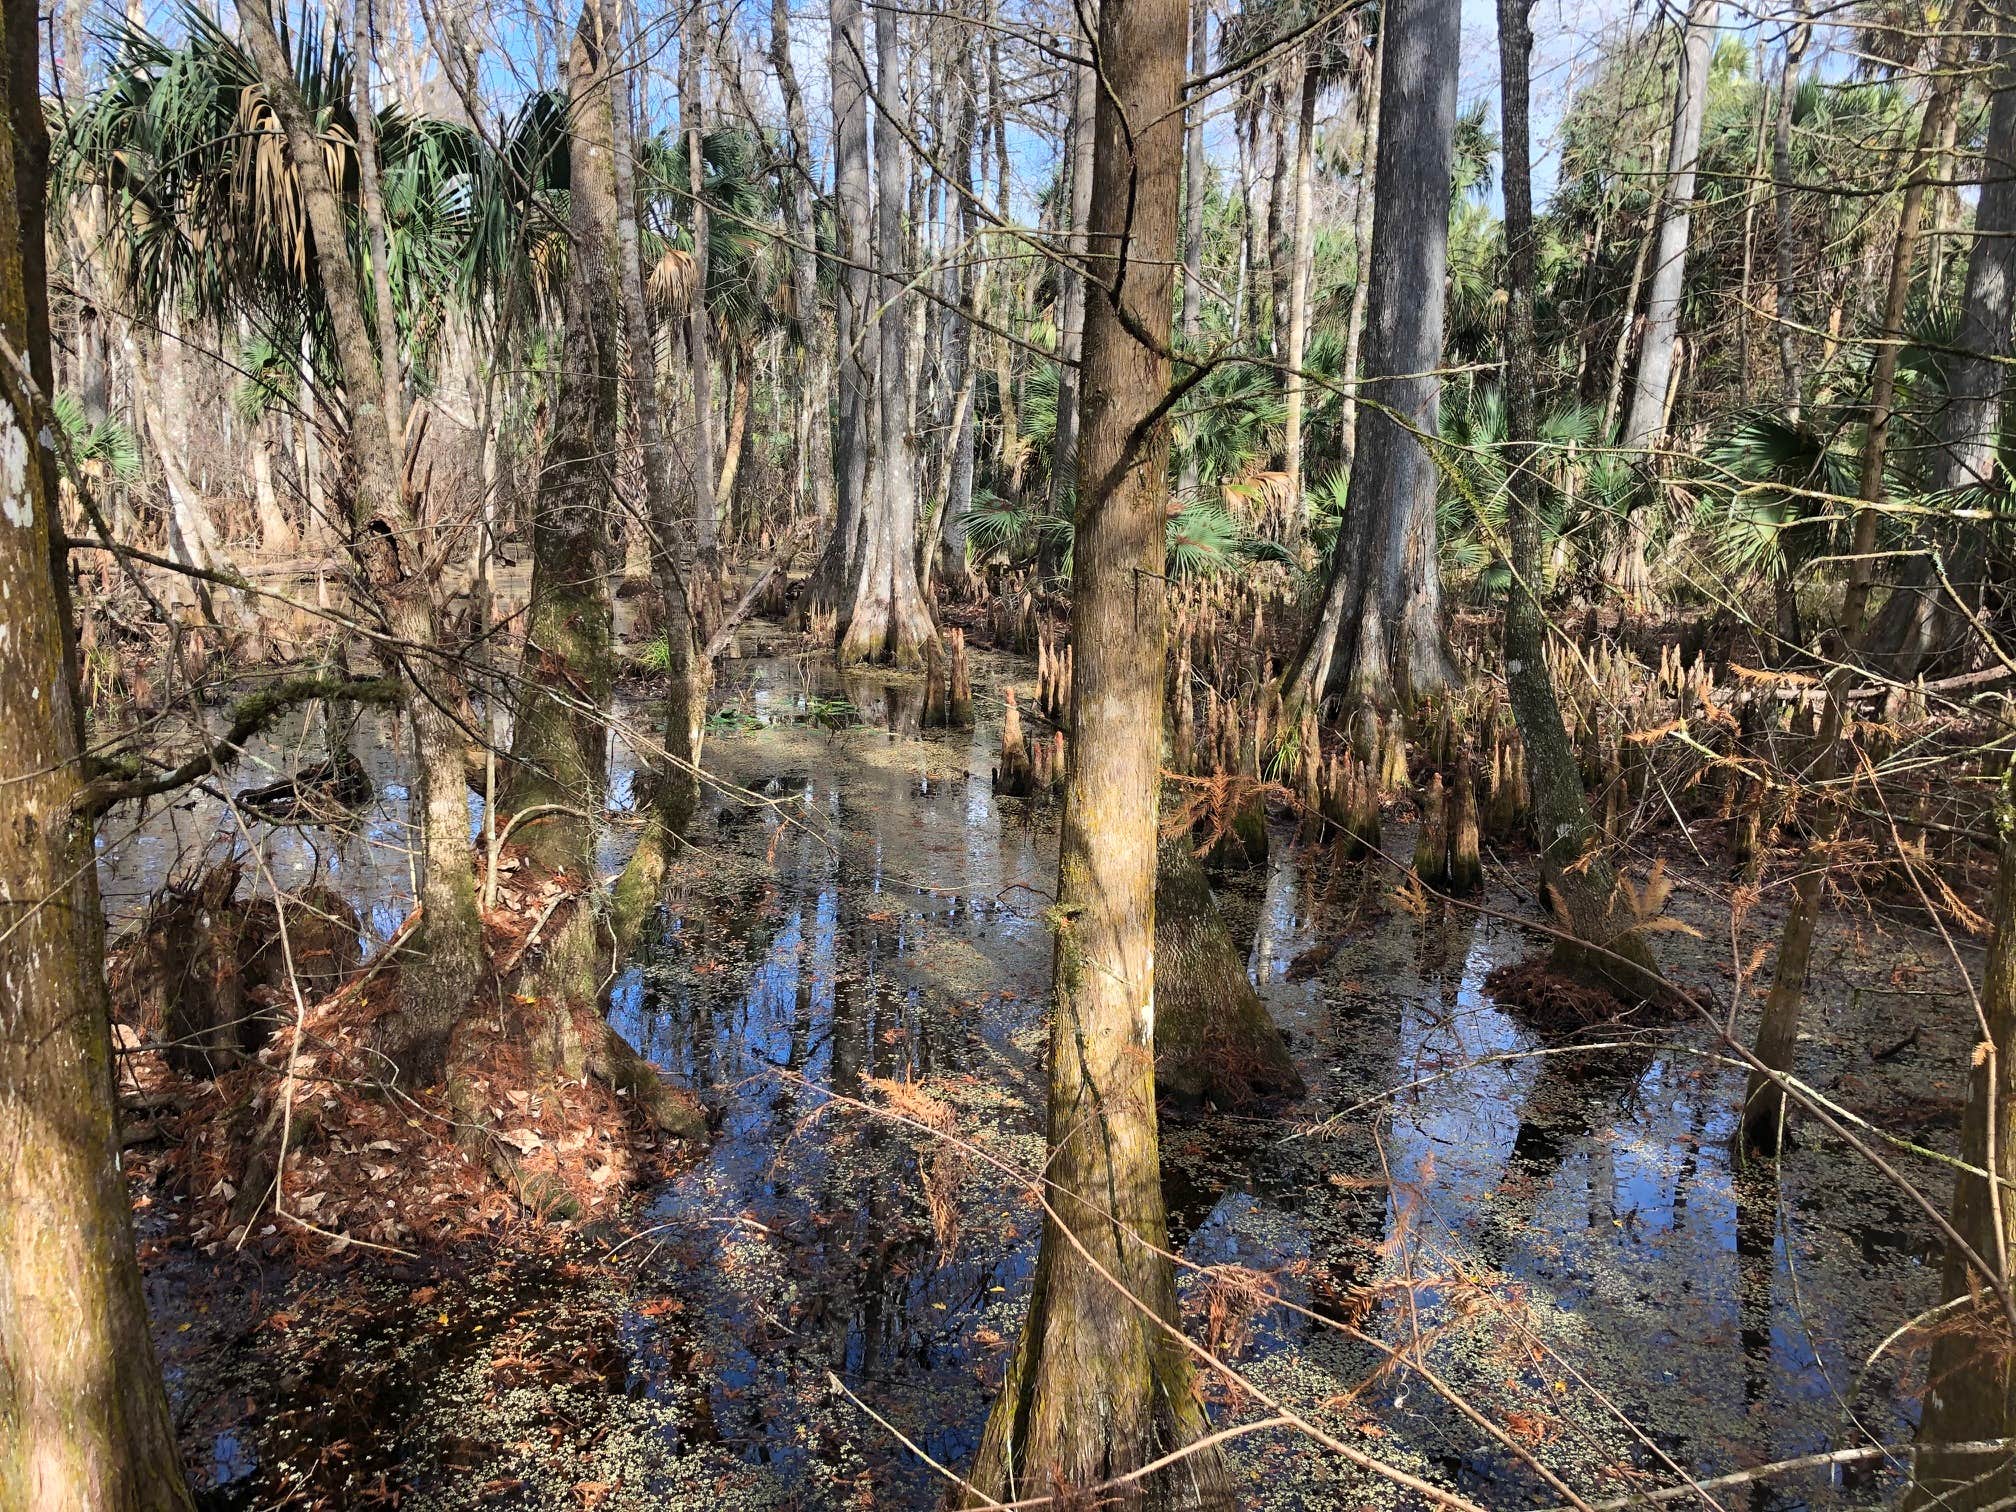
1970, 1385
1279, 257
699, 356
816, 368
1646, 421
1361, 239
1193, 216
1298, 281
688, 670
832, 585
1620, 356
1921, 622
1745, 319
962, 368
1099, 1385
1781, 211
370, 191
435, 988
276, 531
889, 619
84, 1425
737, 434
1778, 1029
1071, 318
1378, 640
1572, 863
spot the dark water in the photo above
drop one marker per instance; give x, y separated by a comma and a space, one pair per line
1562, 1237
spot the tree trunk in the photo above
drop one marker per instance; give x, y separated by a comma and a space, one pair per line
1193, 217
1278, 252
688, 670
1378, 640
1781, 212
1970, 1385
961, 368
1645, 423
1573, 866
737, 435
1778, 1030
830, 590
699, 357
1071, 314
1298, 282
1361, 240
370, 191
84, 1425
450, 958
559, 738
1921, 623
1099, 1386
815, 342
889, 619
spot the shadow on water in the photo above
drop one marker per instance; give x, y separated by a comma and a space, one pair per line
869, 923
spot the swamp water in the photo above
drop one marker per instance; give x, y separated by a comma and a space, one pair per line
1560, 1235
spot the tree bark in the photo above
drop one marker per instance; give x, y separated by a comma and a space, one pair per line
1098, 1385
1193, 216
688, 671
1071, 311
699, 355
1361, 240
889, 620
1645, 423
371, 192
1921, 623
961, 367
449, 958
1778, 1030
1378, 641
1298, 280
831, 585
560, 735
1781, 212
1573, 867
1970, 1385
84, 1425
815, 342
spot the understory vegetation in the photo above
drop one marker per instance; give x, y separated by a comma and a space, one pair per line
1172, 754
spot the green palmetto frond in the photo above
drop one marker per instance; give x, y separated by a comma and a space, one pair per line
187, 159
109, 442
1764, 508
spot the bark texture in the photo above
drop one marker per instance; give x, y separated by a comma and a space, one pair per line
1927, 620
889, 620
853, 299
84, 1426
1573, 868
1645, 422
1098, 1385
1378, 641
1970, 1386
389, 539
